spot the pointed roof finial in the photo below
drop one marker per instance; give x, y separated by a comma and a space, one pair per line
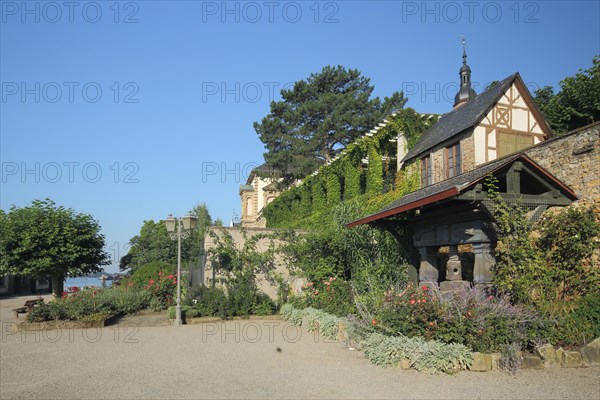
466, 92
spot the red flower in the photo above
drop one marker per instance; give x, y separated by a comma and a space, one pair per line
160, 273
170, 276
412, 302
374, 322
432, 323
425, 288
151, 282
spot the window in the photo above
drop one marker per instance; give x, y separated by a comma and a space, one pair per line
426, 171
249, 206
453, 160
509, 143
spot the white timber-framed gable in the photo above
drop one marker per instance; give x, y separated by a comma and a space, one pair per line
512, 124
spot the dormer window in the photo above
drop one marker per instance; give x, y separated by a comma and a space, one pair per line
426, 176
452, 160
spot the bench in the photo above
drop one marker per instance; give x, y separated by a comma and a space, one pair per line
27, 307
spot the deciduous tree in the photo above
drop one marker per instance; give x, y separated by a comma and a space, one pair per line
44, 239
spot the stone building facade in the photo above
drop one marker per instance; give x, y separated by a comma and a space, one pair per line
260, 189
499, 133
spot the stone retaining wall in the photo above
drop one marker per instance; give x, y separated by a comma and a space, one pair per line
545, 357
575, 160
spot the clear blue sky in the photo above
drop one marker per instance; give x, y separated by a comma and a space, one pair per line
182, 82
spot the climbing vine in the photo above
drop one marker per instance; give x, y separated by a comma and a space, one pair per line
343, 179
334, 189
319, 199
375, 171
351, 181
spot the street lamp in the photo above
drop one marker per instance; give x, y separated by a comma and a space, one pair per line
184, 226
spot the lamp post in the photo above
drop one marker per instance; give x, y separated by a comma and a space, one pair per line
184, 227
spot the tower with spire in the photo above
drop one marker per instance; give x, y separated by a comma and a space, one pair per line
466, 92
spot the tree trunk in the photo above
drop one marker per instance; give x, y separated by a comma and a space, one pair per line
58, 282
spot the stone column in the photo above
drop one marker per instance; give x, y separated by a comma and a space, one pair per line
484, 262
453, 266
428, 271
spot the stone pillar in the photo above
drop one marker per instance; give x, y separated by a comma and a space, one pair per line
453, 266
428, 271
484, 262
454, 281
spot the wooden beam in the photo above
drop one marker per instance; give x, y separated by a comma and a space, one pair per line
513, 178
542, 199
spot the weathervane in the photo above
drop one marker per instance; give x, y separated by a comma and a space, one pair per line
464, 44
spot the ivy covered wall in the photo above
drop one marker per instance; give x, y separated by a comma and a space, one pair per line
364, 172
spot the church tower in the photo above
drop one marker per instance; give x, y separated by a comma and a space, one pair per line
466, 92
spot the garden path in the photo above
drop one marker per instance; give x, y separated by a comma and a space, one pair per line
239, 359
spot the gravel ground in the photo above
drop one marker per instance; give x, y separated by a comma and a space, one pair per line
238, 359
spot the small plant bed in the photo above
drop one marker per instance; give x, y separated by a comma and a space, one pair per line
206, 304
383, 350
96, 320
206, 320
94, 307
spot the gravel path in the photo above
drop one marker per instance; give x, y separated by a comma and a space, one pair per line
239, 359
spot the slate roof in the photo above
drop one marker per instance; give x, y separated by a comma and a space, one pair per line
448, 188
460, 119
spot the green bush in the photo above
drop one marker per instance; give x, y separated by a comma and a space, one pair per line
208, 302
242, 299
86, 303
431, 357
241, 294
151, 271
331, 295
122, 300
327, 324
263, 305
578, 326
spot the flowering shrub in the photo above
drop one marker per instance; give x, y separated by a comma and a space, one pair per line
331, 295
162, 291
482, 322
